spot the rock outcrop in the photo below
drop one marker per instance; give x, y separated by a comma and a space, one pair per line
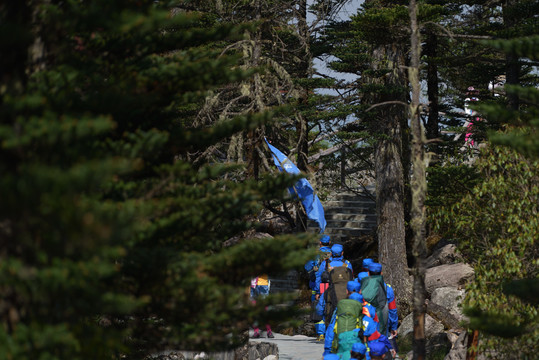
448, 275
443, 256
445, 280
257, 351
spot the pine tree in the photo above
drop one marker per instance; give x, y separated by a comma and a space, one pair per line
496, 222
112, 242
376, 49
523, 122
278, 50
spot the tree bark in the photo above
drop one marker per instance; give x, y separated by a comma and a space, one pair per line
389, 172
387, 118
302, 125
432, 86
419, 189
257, 97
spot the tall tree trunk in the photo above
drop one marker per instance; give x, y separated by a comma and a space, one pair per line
257, 97
419, 189
387, 121
302, 126
432, 86
389, 170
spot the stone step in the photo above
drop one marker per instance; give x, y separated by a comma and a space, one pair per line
367, 217
341, 239
350, 224
348, 203
348, 215
347, 231
285, 283
352, 197
366, 210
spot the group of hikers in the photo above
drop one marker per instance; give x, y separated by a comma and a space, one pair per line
356, 317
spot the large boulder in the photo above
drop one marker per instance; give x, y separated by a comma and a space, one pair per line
451, 299
432, 327
444, 255
173, 355
256, 350
307, 328
185, 355
449, 275
434, 333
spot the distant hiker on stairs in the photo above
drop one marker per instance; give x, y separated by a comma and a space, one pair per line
313, 267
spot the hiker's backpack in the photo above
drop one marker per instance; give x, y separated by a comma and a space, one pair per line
338, 278
324, 277
373, 289
348, 317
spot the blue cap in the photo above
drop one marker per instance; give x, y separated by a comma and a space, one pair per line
325, 239
370, 326
375, 267
332, 357
359, 348
367, 262
353, 286
362, 275
336, 249
356, 296
377, 348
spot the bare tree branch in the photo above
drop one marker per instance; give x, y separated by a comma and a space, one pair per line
386, 103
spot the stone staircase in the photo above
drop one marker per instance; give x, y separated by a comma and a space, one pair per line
349, 215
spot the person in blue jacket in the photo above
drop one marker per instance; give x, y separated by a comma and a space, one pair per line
362, 275
368, 309
374, 338
332, 357
393, 317
358, 352
313, 267
365, 264
330, 329
325, 243
377, 350
351, 287
335, 260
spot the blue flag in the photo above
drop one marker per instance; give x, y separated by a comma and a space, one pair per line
304, 190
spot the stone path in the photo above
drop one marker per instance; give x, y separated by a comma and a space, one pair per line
297, 347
